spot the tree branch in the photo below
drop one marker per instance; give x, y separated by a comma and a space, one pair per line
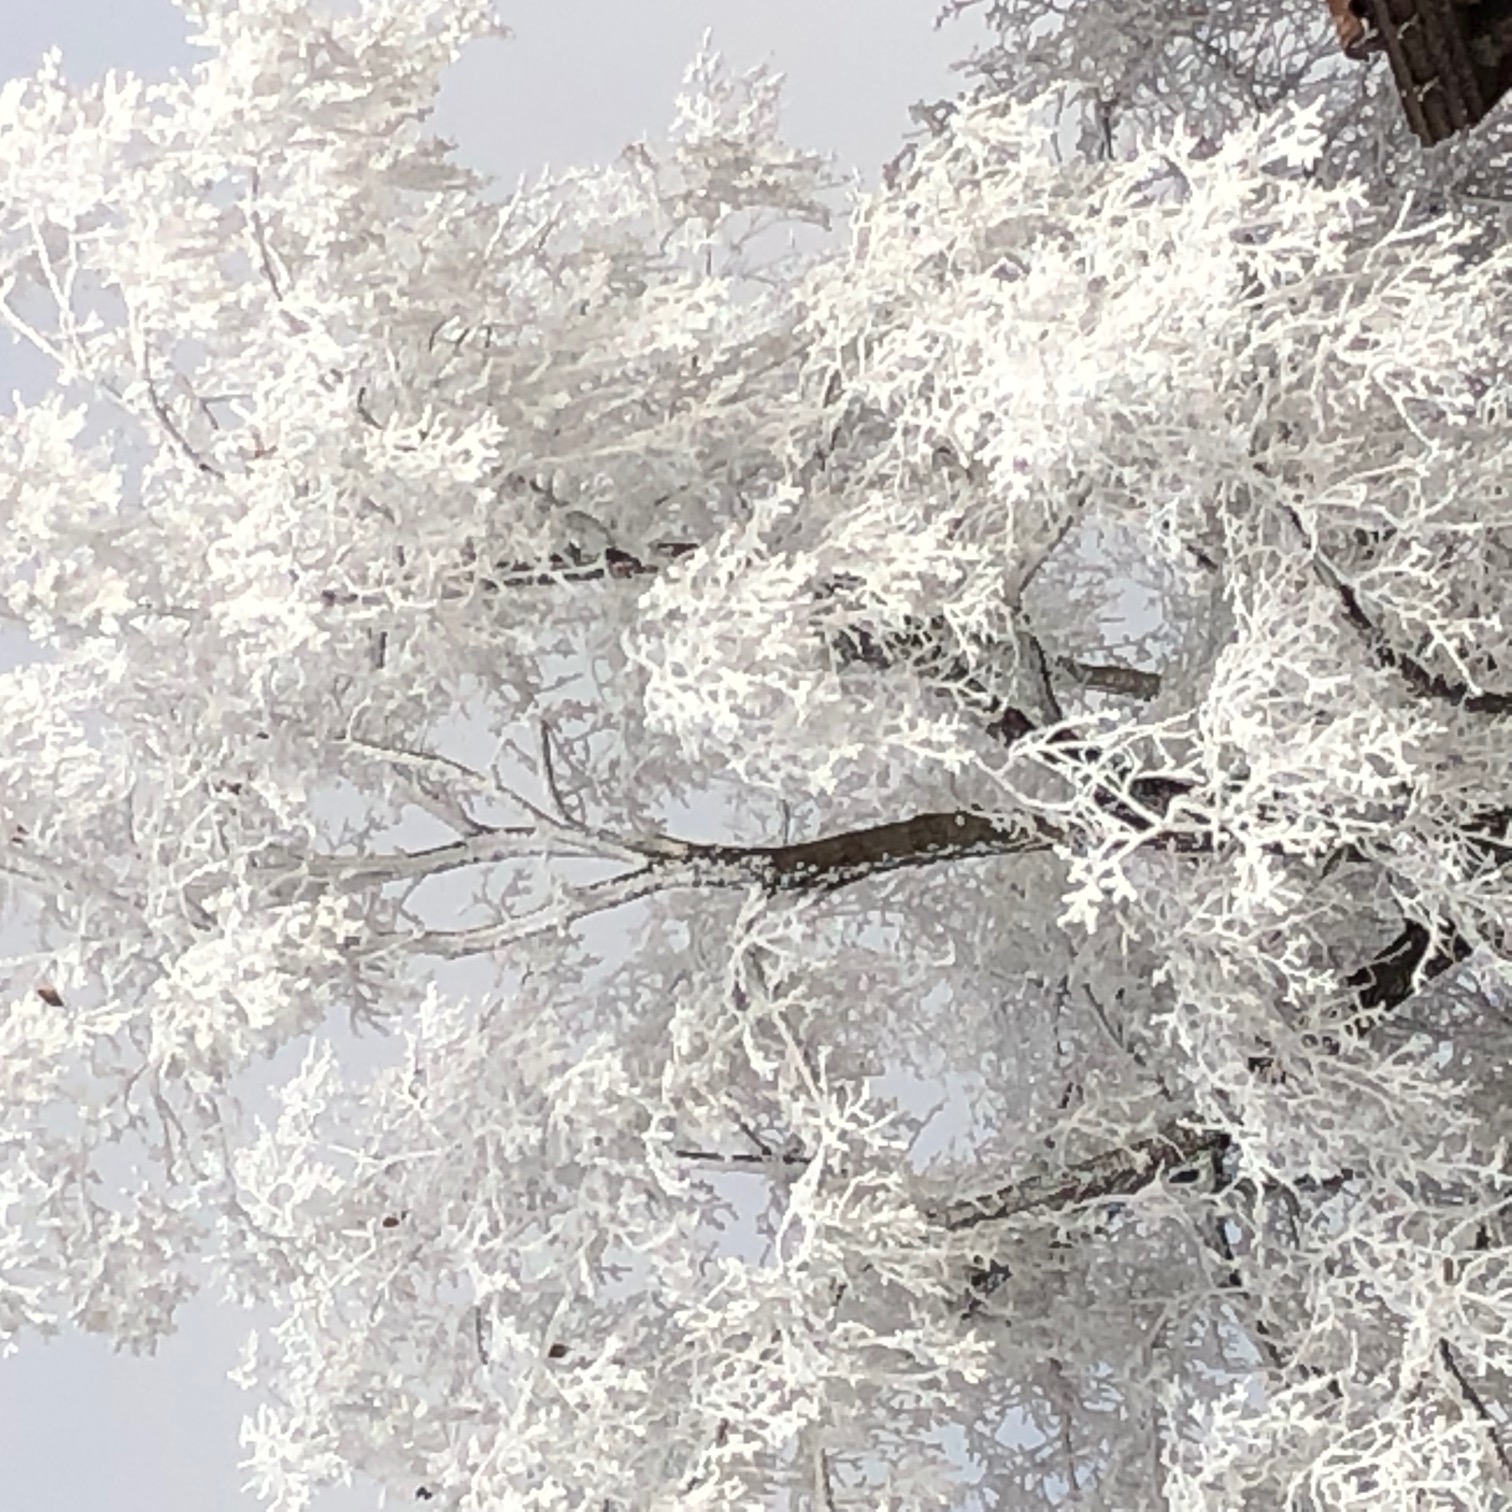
833, 861
1477, 1404
1418, 678
1413, 958
1115, 1173
574, 565
1103, 677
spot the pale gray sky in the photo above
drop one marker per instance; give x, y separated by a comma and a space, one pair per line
81, 1427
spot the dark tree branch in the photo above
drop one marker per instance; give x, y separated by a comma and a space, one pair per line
769, 1161
925, 643
1127, 682
1413, 958
838, 860
573, 565
1105, 1177
1115, 1173
1418, 678
931, 648
1233, 1281
1383, 984
1477, 1405
1424, 683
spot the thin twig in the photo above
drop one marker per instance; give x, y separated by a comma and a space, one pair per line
260, 239
166, 420
1477, 1405
548, 772
717, 1157
826, 1488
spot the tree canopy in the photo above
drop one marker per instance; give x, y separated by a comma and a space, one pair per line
913, 784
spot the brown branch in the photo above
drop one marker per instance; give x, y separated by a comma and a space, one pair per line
833, 861
1418, 678
1395, 975
1114, 1173
1413, 958
914, 640
1424, 683
932, 650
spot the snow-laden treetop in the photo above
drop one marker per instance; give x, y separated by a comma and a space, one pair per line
913, 796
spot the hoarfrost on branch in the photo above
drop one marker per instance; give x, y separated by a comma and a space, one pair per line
922, 812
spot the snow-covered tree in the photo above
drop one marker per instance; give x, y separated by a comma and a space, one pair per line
1112, 73
925, 823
